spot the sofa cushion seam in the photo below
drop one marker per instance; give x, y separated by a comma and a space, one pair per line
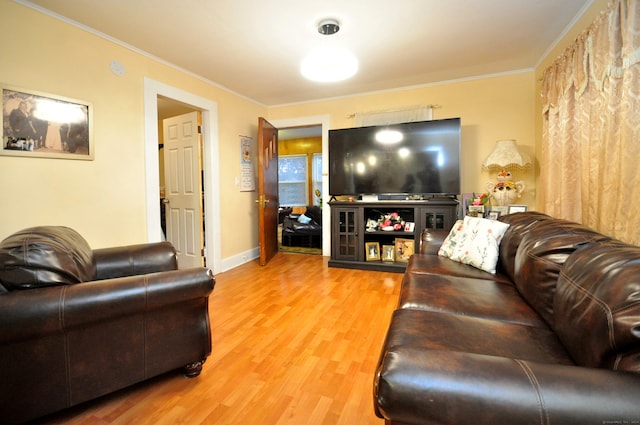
600, 303
544, 415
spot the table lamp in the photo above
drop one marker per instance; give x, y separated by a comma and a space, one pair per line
506, 157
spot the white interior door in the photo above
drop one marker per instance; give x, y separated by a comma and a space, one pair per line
183, 193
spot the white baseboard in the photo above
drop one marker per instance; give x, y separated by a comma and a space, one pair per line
238, 260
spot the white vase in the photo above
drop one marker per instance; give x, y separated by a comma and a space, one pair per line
505, 193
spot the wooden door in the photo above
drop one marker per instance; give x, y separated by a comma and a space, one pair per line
267, 190
183, 188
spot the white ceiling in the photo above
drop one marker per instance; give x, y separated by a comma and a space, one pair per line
254, 47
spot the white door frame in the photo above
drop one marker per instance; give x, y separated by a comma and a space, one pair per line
324, 121
211, 182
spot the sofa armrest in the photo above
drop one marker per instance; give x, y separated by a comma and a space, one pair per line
63, 345
57, 309
431, 240
417, 386
135, 260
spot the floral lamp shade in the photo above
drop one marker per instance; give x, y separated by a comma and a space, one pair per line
506, 157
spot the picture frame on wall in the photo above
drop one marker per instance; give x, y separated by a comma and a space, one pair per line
372, 251
43, 125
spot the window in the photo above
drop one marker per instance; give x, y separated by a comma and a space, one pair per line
292, 180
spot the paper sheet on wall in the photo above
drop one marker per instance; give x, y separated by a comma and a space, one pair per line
247, 174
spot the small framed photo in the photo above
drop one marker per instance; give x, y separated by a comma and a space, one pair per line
517, 208
373, 251
404, 249
409, 226
43, 125
388, 253
493, 215
476, 210
501, 210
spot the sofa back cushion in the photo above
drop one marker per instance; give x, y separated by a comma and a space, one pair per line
314, 213
597, 306
45, 256
519, 225
541, 256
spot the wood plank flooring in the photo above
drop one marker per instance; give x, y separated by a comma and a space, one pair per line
294, 342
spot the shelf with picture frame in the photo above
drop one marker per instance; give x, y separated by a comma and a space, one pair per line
362, 238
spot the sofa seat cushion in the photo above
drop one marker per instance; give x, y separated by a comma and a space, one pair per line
45, 256
597, 306
471, 297
435, 264
429, 330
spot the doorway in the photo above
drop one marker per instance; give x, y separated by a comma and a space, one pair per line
181, 183
300, 189
209, 109
324, 122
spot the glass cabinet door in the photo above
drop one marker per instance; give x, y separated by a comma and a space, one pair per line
346, 235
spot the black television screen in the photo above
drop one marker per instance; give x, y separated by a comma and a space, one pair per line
410, 158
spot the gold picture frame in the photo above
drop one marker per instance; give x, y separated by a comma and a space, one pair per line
404, 249
372, 251
389, 253
42, 125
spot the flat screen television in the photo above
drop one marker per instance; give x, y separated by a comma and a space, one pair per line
416, 158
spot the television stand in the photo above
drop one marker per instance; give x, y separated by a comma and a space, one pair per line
356, 247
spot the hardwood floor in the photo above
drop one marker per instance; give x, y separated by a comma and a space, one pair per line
294, 342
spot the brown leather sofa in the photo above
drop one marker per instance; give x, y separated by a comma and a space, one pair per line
552, 338
307, 233
77, 323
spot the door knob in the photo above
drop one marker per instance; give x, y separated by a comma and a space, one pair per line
262, 201
165, 201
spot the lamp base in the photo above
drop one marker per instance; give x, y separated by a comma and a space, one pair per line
505, 192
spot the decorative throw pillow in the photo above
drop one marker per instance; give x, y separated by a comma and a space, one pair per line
452, 239
479, 243
304, 219
315, 213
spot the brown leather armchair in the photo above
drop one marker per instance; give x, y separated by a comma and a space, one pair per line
76, 323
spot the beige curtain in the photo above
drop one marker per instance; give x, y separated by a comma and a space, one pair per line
591, 127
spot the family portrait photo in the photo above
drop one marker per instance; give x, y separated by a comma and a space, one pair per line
42, 125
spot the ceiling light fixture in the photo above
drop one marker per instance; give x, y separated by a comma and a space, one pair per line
328, 27
329, 63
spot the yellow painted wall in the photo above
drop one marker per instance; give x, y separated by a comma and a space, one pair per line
104, 199
493, 108
305, 146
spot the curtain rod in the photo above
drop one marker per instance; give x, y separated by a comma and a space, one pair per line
434, 106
